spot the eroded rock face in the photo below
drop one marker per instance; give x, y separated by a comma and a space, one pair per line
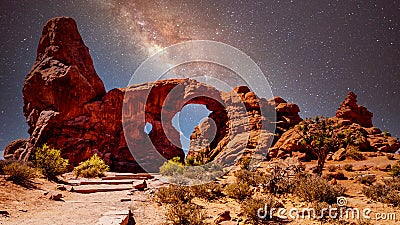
255, 137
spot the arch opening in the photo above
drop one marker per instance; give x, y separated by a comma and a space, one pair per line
185, 121
148, 127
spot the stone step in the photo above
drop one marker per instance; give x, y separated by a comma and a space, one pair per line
117, 218
87, 189
110, 182
127, 176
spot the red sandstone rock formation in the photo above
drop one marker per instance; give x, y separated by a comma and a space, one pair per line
349, 116
66, 106
349, 110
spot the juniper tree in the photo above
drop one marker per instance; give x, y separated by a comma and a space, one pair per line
318, 135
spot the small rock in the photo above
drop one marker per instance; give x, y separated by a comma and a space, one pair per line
61, 187
333, 181
150, 191
140, 185
53, 195
224, 216
125, 199
4, 213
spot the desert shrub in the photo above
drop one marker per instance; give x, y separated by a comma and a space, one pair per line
174, 194
319, 213
171, 169
250, 209
367, 179
245, 163
93, 167
386, 134
352, 152
185, 214
245, 176
190, 161
19, 173
238, 190
49, 161
312, 188
332, 168
395, 170
194, 172
208, 191
280, 178
387, 192
390, 156
4, 163
348, 167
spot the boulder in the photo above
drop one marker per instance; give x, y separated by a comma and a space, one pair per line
339, 155
53, 195
140, 185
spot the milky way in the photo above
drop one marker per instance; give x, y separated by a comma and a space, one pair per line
312, 54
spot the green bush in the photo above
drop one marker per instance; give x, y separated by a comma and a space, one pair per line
174, 194
387, 192
49, 161
93, 167
185, 214
251, 208
352, 152
19, 173
245, 163
190, 161
180, 174
172, 167
4, 163
395, 170
312, 188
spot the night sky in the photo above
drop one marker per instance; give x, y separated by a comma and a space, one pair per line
312, 53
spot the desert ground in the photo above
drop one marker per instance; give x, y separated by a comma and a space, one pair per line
21, 205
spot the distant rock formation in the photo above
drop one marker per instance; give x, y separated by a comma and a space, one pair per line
350, 117
349, 110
